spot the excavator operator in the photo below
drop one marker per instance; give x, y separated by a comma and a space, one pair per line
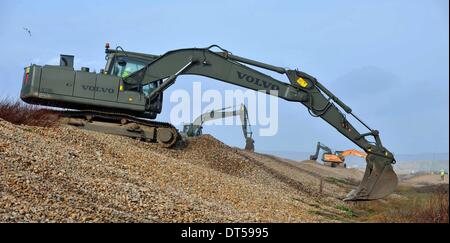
127, 71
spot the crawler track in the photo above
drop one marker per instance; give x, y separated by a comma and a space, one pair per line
162, 133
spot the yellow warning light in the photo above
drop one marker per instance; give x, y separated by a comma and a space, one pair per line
121, 87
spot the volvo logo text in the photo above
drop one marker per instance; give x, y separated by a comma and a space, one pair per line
257, 81
98, 89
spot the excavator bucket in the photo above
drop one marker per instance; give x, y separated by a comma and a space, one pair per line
249, 144
379, 180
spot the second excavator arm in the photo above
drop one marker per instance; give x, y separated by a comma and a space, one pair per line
195, 128
379, 179
318, 148
247, 129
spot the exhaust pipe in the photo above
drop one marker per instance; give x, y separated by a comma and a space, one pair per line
66, 60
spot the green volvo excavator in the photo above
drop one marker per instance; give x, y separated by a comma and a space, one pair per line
125, 97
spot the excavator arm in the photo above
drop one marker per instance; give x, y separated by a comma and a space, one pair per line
195, 128
379, 179
353, 152
247, 129
318, 148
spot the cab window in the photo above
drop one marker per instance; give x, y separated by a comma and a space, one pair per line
124, 66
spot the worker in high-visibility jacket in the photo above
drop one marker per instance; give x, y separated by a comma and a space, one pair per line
126, 72
442, 172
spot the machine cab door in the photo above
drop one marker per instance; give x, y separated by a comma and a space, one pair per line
123, 66
154, 105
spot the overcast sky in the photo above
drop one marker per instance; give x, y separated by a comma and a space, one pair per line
388, 60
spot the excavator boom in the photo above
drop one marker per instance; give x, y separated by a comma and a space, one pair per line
320, 146
379, 179
353, 152
195, 128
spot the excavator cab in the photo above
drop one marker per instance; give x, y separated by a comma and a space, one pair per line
122, 64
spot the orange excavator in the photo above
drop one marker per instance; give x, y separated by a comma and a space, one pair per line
337, 158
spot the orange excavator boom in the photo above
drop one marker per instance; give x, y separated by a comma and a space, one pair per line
353, 152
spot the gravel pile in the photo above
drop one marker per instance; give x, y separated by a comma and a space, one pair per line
63, 174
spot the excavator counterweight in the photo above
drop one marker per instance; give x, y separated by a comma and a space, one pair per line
132, 85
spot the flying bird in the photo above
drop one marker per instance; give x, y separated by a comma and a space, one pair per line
27, 30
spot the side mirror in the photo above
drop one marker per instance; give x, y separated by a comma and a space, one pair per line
122, 63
